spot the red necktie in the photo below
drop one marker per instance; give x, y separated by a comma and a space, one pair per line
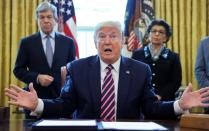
108, 97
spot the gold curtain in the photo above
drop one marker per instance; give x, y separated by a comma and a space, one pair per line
189, 21
17, 19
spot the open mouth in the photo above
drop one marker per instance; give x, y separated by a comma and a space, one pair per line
107, 50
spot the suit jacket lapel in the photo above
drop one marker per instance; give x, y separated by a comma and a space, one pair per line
95, 84
57, 49
123, 85
41, 49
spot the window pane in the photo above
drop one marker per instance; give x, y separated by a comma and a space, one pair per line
91, 12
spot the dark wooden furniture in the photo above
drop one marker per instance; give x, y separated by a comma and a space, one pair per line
26, 125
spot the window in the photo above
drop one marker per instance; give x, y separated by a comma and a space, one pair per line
91, 12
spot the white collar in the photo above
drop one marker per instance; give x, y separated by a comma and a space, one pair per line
116, 65
43, 35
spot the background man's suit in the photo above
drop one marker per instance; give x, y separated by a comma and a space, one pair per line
31, 61
82, 91
202, 65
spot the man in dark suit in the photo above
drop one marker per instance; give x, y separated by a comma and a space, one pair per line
33, 64
107, 87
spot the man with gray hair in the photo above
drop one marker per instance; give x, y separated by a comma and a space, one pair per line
107, 87
41, 55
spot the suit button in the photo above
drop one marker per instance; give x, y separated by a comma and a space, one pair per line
153, 74
153, 84
153, 64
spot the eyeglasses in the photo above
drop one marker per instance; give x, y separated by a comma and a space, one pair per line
112, 36
160, 32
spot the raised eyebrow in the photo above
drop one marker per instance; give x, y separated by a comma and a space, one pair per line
101, 33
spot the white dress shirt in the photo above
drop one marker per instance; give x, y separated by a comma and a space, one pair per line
52, 40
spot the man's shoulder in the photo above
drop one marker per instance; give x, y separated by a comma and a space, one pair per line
138, 68
134, 63
205, 40
62, 36
83, 62
30, 38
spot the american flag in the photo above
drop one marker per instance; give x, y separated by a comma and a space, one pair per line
66, 19
138, 12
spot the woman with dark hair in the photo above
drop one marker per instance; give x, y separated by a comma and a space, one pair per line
164, 63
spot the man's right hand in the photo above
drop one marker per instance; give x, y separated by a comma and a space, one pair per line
45, 80
22, 98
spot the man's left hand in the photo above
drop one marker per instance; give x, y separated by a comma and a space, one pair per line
191, 98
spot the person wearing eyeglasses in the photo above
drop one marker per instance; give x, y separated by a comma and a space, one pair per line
164, 63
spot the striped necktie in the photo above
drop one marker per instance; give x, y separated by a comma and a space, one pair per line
49, 52
108, 97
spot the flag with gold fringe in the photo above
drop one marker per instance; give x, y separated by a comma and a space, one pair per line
138, 15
